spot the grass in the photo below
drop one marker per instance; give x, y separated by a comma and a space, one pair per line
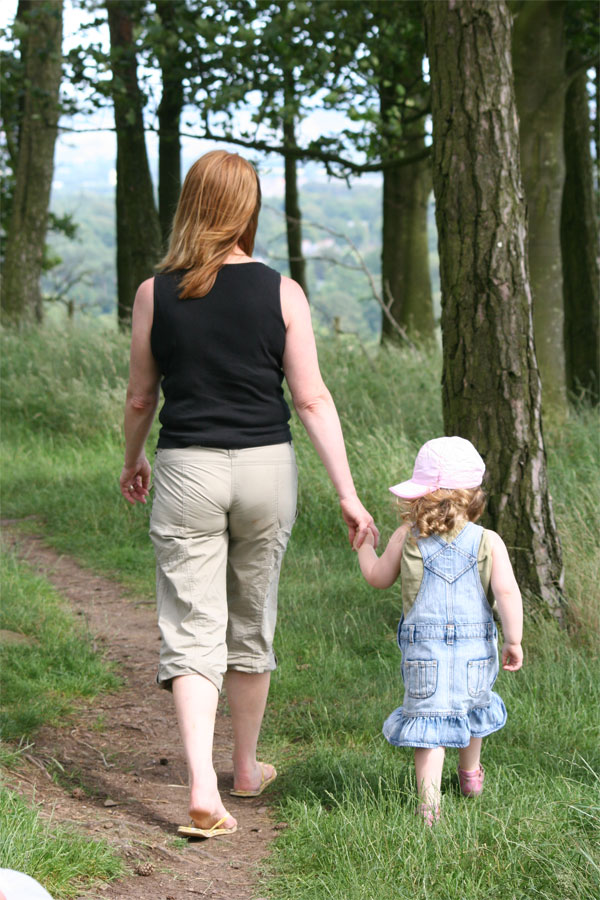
59, 858
56, 667
43, 678
346, 794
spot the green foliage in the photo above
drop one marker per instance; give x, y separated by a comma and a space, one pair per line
56, 665
59, 858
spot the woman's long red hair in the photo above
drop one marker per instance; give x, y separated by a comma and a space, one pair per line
218, 209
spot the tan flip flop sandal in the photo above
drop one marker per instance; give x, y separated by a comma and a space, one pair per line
214, 831
264, 782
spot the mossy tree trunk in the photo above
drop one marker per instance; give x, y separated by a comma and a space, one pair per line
293, 215
490, 384
169, 117
138, 230
539, 56
26, 238
579, 242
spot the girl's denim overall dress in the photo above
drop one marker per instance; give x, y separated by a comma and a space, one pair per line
449, 650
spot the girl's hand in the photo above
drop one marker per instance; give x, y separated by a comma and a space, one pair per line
512, 657
368, 541
135, 481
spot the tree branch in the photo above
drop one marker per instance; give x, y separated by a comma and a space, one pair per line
302, 153
386, 307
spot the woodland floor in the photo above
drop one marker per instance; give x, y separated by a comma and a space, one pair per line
116, 768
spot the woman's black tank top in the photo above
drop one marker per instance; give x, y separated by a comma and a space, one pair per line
221, 360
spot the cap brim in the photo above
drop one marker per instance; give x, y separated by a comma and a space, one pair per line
410, 490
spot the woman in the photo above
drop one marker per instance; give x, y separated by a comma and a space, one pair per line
219, 330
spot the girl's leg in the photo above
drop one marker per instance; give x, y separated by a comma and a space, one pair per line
470, 770
196, 706
247, 696
468, 757
428, 768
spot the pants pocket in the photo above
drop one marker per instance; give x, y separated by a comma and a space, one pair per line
421, 677
479, 676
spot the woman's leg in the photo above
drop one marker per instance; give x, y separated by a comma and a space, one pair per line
468, 757
196, 706
247, 697
189, 533
428, 767
262, 513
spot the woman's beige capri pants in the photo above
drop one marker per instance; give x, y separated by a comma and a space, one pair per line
221, 520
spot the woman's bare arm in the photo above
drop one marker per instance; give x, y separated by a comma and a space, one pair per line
142, 398
316, 409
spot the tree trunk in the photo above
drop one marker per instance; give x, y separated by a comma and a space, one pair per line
293, 216
169, 115
579, 242
138, 230
596, 138
42, 45
490, 384
539, 54
405, 251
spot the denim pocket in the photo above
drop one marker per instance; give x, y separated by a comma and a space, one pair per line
421, 677
479, 676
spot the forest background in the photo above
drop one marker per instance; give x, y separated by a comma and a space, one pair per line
493, 105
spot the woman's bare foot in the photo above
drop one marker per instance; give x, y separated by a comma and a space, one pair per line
252, 778
205, 814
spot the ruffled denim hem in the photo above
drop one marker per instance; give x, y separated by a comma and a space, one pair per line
444, 731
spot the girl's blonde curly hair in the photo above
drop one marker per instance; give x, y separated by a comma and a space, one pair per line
440, 511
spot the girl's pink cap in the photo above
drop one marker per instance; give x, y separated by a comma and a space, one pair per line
447, 462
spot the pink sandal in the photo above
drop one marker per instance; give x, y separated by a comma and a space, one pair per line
430, 814
471, 783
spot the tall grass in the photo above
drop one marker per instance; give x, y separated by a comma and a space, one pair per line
347, 795
63, 383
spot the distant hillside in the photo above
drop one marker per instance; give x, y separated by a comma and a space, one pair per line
337, 289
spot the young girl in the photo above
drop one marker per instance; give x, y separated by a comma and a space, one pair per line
447, 634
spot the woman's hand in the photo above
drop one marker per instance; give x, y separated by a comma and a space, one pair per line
359, 522
135, 481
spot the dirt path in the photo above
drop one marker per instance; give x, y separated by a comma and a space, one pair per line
121, 765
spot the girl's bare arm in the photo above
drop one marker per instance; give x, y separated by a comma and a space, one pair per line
510, 607
382, 571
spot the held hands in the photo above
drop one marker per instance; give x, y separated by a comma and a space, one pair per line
512, 657
359, 522
135, 481
367, 541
